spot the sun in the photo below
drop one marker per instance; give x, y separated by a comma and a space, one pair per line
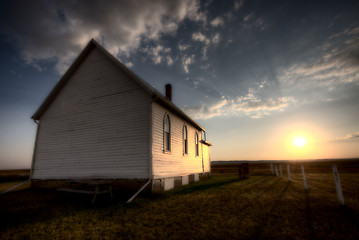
299, 141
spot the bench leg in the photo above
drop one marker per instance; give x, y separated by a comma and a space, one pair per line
94, 197
110, 188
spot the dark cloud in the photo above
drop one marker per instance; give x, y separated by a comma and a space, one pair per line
58, 30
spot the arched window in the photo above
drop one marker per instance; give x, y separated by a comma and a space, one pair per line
185, 140
196, 141
167, 133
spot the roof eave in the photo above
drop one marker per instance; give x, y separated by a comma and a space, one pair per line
162, 100
206, 143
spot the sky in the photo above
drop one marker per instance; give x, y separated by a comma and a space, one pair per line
254, 74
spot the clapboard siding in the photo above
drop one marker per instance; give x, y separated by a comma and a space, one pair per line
175, 162
98, 126
206, 158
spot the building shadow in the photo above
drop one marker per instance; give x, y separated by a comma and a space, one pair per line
309, 215
264, 220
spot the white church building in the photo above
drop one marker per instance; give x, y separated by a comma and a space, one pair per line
102, 121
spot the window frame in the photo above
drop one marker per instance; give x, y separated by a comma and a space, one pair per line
196, 142
166, 135
185, 140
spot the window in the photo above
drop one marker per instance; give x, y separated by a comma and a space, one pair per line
167, 133
196, 141
185, 140
204, 138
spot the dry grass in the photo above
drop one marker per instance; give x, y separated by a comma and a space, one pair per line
222, 207
14, 175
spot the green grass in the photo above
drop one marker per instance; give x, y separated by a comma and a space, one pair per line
222, 207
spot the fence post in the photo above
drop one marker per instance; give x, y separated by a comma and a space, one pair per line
276, 170
271, 168
304, 178
280, 170
338, 186
288, 170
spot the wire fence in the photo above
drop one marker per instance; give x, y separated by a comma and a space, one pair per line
339, 178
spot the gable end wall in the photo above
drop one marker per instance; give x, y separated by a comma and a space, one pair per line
97, 127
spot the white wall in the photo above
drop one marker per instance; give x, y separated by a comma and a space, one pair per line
175, 162
206, 158
97, 127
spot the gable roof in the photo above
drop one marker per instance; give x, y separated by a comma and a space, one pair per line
156, 96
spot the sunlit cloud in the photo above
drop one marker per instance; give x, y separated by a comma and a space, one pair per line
129, 64
248, 17
169, 60
336, 68
323, 73
238, 4
207, 41
249, 105
216, 38
218, 21
158, 54
348, 137
186, 61
183, 47
353, 31
251, 20
198, 36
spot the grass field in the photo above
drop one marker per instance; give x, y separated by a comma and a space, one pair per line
221, 207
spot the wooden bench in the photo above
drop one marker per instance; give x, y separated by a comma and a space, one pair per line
100, 187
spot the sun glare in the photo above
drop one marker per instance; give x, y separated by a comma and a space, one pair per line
299, 141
